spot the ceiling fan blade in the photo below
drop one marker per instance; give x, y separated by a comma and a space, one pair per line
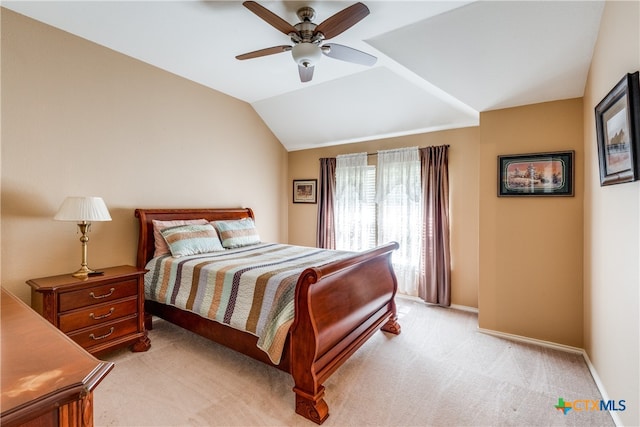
264, 52
306, 73
270, 17
342, 20
349, 54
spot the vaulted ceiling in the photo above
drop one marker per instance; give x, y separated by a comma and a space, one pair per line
440, 63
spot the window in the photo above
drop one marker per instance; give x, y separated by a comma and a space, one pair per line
378, 206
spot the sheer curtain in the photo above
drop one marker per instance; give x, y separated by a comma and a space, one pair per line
400, 212
354, 205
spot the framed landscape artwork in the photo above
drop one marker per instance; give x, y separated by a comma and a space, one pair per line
305, 191
539, 174
618, 132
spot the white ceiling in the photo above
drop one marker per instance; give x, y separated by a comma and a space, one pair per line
440, 63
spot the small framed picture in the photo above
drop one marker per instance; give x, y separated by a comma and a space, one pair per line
305, 191
539, 174
618, 132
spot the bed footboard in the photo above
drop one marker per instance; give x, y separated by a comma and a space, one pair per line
338, 307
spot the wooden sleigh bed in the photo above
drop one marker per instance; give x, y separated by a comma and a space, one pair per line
338, 306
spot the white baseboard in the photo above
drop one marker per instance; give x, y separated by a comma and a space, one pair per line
603, 392
464, 308
541, 343
561, 347
453, 306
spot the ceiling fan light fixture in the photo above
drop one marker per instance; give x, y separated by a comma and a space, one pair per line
306, 54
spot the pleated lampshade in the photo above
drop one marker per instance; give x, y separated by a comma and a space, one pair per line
83, 209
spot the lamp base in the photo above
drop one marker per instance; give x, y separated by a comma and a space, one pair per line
83, 273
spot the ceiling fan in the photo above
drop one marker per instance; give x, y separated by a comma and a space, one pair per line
308, 38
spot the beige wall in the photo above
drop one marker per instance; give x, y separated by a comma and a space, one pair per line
463, 172
531, 247
80, 119
612, 226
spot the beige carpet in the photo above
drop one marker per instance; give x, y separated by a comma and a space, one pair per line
439, 372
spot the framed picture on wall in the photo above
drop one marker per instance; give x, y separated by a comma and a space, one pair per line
618, 132
539, 174
305, 191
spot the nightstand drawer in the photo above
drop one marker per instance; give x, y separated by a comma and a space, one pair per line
97, 314
109, 331
98, 294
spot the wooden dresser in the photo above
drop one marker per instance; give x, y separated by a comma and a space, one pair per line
101, 313
47, 379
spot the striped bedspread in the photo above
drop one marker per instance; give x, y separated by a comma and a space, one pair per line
250, 288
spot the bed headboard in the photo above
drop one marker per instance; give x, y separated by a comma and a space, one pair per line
146, 244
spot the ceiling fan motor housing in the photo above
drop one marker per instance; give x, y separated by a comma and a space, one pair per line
306, 30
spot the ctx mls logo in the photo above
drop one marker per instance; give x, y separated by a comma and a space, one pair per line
581, 405
563, 406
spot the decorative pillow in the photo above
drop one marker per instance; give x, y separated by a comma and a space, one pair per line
191, 239
237, 233
158, 226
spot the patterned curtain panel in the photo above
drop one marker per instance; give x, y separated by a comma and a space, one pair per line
326, 233
400, 212
354, 203
435, 277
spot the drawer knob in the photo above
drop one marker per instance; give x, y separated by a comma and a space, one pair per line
101, 337
108, 294
102, 316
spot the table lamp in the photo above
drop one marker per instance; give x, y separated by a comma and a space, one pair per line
83, 210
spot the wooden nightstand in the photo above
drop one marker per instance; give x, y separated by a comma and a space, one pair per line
101, 313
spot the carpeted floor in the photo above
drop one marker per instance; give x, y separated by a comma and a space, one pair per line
438, 372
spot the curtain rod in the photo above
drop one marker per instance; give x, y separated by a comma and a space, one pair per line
445, 145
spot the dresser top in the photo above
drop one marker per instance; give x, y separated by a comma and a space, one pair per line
41, 366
